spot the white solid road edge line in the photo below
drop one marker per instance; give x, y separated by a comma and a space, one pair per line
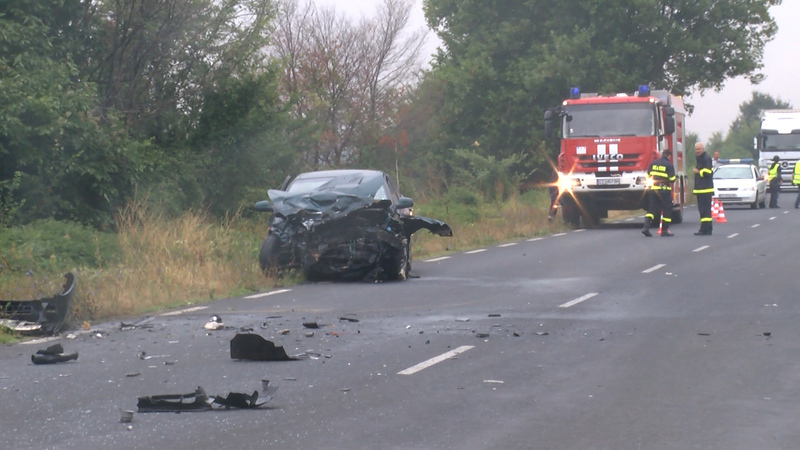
187, 310
654, 268
441, 258
475, 251
578, 300
444, 356
267, 294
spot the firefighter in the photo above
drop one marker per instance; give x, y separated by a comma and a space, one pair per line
774, 178
552, 188
703, 188
796, 182
663, 174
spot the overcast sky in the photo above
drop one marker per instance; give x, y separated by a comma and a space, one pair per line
714, 111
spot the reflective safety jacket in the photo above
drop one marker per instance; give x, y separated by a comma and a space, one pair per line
796, 175
663, 174
774, 172
704, 178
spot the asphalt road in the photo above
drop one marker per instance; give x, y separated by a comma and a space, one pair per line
591, 339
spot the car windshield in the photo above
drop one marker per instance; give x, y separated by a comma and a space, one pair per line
733, 173
616, 119
306, 184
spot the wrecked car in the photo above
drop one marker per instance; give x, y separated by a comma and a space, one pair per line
343, 224
45, 315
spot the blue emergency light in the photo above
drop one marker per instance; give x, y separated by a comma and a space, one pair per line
574, 93
643, 91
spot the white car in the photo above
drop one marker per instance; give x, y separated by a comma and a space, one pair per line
740, 184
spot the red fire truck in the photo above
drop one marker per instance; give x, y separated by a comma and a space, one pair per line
607, 144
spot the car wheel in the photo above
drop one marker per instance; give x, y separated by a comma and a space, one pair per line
763, 203
754, 205
677, 216
399, 265
570, 213
268, 255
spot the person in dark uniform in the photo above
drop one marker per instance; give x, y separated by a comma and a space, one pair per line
552, 187
774, 177
796, 182
703, 188
663, 174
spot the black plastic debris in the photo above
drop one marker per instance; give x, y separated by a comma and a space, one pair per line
196, 401
53, 354
311, 324
348, 319
255, 348
46, 315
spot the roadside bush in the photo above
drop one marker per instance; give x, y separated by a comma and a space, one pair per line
54, 246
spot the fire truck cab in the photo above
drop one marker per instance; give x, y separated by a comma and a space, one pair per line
607, 144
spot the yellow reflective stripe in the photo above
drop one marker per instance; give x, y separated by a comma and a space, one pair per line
654, 173
649, 216
705, 219
703, 191
704, 171
661, 188
664, 219
672, 178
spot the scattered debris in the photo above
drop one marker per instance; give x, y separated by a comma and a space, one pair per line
494, 315
494, 381
135, 326
767, 333
46, 315
196, 401
313, 325
53, 354
542, 333
199, 401
308, 334
348, 319
254, 347
284, 332
126, 416
214, 323
704, 334
482, 335
462, 319
134, 374
143, 355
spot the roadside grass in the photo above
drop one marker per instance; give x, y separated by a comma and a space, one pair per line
154, 262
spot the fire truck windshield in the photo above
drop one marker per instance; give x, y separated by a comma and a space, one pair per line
610, 119
782, 142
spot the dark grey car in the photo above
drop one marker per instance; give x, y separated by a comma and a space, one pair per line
342, 224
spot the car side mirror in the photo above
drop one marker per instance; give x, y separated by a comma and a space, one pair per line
404, 202
264, 206
669, 125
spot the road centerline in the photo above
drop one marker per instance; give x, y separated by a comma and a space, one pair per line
578, 300
435, 360
654, 268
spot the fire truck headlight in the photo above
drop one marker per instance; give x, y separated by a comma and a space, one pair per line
567, 183
648, 182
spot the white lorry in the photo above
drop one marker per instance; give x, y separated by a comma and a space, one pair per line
779, 135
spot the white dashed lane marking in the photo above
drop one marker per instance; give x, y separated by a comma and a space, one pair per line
475, 251
535, 239
559, 234
700, 249
733, 235
755, 226
435, 360
510, 244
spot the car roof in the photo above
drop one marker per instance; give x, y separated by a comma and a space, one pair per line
339, 173
736, 165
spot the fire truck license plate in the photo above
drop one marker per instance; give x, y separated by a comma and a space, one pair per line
608, 181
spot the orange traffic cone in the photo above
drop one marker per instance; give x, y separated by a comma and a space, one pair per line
661, 222
714, 207
721, 214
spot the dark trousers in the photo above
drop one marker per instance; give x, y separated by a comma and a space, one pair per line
660, 204
704, 206
797, 200
774, 191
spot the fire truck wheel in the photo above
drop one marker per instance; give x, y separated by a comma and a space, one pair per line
571, 214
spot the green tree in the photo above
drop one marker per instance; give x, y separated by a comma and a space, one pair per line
59, 156
502, 63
